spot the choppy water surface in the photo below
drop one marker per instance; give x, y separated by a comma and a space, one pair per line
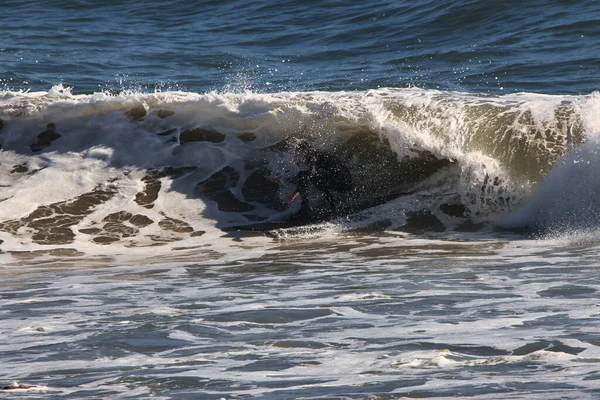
351, 317
134, 137
483, 46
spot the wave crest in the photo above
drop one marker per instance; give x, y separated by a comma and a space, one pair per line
177, 153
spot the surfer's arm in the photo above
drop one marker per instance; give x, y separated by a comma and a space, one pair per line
295, 179
293, 197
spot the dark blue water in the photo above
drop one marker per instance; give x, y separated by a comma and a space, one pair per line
486, 46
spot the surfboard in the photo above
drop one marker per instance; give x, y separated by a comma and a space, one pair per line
289, 222
318, 215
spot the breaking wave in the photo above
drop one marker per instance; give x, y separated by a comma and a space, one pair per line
140, 169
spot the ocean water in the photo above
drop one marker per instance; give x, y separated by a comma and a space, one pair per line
135, 137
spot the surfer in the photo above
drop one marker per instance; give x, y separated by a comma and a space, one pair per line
322, 170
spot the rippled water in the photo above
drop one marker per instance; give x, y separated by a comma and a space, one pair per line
484, 46
134, 135
363, 317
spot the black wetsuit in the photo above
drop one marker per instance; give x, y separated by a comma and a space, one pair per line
326, 172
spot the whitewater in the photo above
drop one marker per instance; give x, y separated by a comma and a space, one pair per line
137, 141
116, 251
138, 169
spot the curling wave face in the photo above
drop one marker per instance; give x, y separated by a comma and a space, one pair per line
142, 170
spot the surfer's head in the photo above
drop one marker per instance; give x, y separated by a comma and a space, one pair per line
302, 152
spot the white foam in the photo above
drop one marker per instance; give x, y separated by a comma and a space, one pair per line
102, 142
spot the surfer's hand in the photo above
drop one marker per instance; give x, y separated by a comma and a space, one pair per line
292, 197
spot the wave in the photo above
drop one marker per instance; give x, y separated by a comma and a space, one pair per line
567, 198
145, 169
